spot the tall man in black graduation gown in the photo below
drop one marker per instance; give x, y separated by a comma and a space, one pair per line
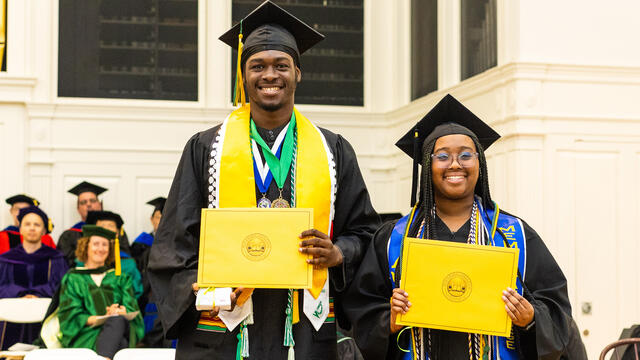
273, 42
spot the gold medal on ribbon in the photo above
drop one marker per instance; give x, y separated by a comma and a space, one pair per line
280, 202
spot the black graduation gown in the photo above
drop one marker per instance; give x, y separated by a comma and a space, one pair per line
67, 244
366, 303
173, 261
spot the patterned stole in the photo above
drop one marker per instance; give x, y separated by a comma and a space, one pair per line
513, 230
314, 184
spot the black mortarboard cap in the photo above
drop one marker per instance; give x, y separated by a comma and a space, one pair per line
94, 216
22, 198
87, 187
158, 203
275, 27
448, 117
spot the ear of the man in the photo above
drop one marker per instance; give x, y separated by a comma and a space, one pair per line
298, 74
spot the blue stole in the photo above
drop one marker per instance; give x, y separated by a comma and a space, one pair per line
144, 238
12, 228
78, 226
513, 230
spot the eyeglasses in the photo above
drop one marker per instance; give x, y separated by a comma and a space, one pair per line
444, 160
87, 201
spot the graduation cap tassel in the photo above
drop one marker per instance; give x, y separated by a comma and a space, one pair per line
414, 177
242, 349
117, 255
245, 341
288, 327
238, 88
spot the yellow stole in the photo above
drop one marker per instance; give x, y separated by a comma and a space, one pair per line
312, 176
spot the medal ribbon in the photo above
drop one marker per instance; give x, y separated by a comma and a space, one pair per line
279, 167
261, 171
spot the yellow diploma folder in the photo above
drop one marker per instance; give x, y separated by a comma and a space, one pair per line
457, 287
255, 248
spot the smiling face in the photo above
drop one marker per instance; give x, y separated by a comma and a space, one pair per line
455, 182
271, 78
32, 228
97, 251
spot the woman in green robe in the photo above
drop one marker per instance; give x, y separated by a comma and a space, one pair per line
88, 293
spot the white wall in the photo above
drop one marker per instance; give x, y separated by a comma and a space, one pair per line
582, 32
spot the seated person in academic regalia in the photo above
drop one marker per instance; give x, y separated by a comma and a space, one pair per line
142, 244
455, 205
90, 292
10, 236
112, 221
140, 251
87, 201
29, 270
87, 194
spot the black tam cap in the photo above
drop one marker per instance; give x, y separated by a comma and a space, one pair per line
94, 216
87, 187
22, 198
270, 27
157, 203
448, 117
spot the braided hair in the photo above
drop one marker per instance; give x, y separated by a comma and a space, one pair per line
427, 199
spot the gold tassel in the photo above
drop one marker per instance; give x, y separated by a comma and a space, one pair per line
296, 308
117, 254
238, 94
50, 226
35, 202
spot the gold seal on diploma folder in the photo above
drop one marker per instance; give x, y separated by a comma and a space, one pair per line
457, 287
255, 248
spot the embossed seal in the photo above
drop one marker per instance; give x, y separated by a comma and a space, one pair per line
456, 286
256, 247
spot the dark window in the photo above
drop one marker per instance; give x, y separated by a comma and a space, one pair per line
424, 47
478, 37
332, 71
142, 49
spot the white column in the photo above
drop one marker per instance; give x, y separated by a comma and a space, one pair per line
448, 43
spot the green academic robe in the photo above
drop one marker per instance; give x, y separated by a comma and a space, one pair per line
130, 268
80, 298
